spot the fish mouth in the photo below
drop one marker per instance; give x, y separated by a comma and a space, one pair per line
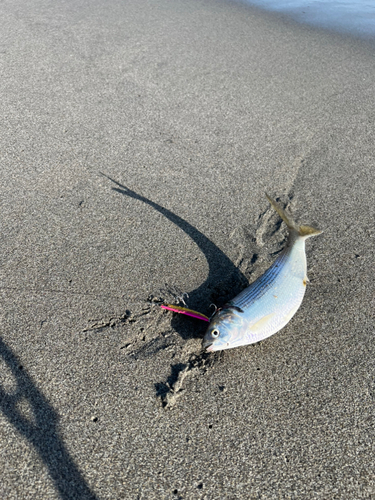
207, 344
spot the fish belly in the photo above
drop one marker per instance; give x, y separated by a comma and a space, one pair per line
272, 313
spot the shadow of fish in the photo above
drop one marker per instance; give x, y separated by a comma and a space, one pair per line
269, 303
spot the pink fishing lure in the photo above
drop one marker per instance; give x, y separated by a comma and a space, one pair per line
184, 310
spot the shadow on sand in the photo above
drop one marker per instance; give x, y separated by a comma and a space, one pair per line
41, 430
224, 279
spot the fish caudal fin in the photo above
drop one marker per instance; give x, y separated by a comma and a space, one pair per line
308, 231
305, 231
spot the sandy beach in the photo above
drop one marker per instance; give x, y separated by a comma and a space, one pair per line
137, 141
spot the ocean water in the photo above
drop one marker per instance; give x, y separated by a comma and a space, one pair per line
351, 16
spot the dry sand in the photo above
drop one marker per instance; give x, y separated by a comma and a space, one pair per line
193, 109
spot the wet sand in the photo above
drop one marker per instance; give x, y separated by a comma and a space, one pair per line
137, 141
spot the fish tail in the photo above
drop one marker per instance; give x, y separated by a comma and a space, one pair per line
305, 231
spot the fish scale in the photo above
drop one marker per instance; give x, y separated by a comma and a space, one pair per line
260, 286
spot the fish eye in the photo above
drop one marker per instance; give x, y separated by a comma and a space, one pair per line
215, 333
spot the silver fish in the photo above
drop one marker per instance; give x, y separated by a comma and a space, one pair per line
269, 303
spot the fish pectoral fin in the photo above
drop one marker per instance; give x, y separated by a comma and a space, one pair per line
261, 323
